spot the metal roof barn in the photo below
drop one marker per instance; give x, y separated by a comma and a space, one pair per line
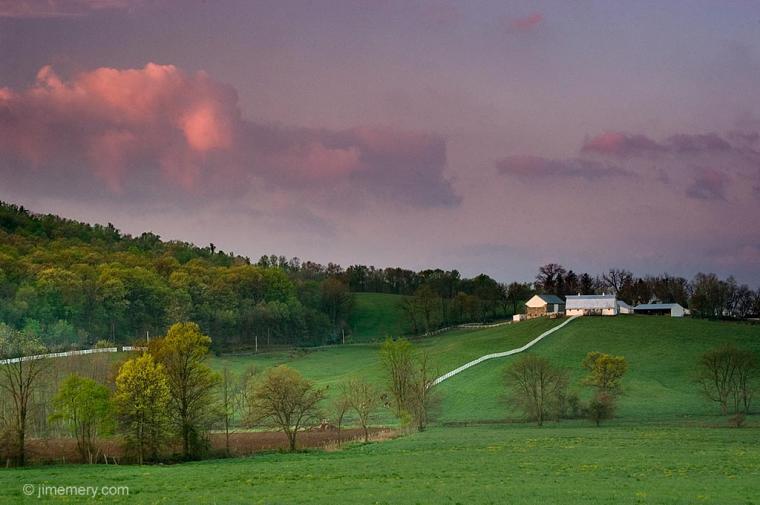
590, 302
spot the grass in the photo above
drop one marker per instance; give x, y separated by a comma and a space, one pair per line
376, 316
330, 366
666, 446
661, 352
568, 464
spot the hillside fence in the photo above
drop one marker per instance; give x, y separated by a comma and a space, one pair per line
500, 354
126, 348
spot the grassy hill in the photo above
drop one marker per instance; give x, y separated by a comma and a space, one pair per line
330, 366
661, 353
376, 316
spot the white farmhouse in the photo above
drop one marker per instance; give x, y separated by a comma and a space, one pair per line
544, 305
591, 305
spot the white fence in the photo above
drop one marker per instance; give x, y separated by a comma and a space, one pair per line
499, 354
126, 348
472, 326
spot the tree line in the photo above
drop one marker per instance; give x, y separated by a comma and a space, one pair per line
73, 284
706, 294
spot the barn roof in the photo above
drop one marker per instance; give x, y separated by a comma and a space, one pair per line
624, 305
656, 306
590, 302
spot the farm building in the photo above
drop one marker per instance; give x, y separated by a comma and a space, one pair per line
624, 308
544, 305
591, 305
661, 309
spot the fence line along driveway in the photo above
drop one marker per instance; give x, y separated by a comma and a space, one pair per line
499, 354
126, 348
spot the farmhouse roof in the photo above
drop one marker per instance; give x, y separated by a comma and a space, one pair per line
590, 302
551, 299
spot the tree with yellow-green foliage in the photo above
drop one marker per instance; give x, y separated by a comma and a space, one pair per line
605, 372
183, 353
84, 407
141, 399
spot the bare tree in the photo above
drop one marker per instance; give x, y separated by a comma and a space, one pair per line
728, 376
364, 398
285, 400
20, 378
550, 278
535, 386
227, 404
616, 278
716, 373
341, 406
410, 377
421, 396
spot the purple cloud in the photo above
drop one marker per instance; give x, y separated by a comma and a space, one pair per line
58, 8
709, 184
626, 145
155, 127
536, 167
527, 23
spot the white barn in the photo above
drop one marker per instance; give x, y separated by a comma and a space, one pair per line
624, 308
663, 309
591, 305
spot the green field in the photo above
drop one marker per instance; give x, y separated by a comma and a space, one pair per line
667, 444
661, 354
494, 464
376, 316
330, 366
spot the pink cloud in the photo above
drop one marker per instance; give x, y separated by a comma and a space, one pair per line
620, 144
157, 126
626, 145
314, 161
528, 23
117, 119
58, 8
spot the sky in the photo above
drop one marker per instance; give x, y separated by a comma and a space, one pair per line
485, 136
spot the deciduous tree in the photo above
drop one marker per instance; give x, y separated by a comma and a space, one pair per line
20, 379
364, 399
183, 352
142, 398
605, 372
84, 407
285, 400
536, 386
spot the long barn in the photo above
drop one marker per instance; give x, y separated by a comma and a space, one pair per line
591, 305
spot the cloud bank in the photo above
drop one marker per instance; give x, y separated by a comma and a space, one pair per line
158, 125
58, 8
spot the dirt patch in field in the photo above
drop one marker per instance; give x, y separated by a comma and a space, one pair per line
64, 450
